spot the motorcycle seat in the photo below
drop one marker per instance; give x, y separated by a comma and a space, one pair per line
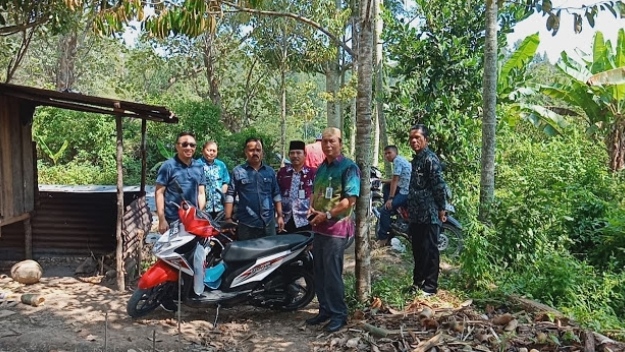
240, 251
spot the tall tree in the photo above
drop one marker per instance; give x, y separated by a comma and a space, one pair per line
364, 35
489, 118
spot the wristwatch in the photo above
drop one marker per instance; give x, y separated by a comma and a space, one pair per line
328, 215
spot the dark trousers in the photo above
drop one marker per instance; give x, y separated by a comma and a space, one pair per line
290, 227
245, 232
426, 257
385, 214
328, 270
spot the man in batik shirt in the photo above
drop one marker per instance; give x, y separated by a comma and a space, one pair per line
295, 181
335, 190
217, 178
426, 208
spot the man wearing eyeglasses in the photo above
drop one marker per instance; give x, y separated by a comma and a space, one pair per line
187, 173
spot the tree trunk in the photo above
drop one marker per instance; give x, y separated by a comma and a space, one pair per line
489, 120
283, 68
380, 126
14, 63
332, 79
65, 68
363, 151
210, 57
616, 144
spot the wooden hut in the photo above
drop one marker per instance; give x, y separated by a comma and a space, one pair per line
55, 218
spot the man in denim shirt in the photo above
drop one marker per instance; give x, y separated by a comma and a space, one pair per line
259, 206
179, 177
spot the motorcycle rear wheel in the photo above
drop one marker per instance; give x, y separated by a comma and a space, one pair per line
450, 240
143, 302
301, 288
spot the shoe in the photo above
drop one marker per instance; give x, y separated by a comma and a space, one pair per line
335, 325
169, 305
426, 294
317, 319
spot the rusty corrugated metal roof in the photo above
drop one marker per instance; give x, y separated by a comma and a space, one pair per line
88, 103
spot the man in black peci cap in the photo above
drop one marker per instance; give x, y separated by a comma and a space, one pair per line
295, 181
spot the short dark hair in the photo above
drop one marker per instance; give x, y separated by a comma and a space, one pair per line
421, 127
185, 133
252, 139
391, 147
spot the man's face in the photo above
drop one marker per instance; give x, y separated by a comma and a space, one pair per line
417, 140
185, 147
210, 152
390, 155
331, 146
297, 157
254, 152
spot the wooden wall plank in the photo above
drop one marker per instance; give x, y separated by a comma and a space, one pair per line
16, 158
28, 169
5, 162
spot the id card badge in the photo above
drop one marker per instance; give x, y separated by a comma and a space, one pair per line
301, 194
329, 192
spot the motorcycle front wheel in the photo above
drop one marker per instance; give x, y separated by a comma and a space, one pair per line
450, 240
300, 289
145, 301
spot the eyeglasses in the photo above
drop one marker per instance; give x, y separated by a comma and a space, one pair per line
187, 144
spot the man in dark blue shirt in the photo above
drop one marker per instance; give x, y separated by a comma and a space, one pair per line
259, 206
179, 177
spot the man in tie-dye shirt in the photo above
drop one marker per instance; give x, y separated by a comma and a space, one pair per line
335, 190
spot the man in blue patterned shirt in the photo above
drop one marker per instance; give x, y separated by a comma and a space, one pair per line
259, 207
217, 178
426, 208
398, 191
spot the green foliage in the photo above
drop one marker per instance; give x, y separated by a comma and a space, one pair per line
513, 70
557, 227
477, 258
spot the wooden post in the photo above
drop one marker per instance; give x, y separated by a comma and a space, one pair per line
140, 236
28, 239
120, 206
144, 155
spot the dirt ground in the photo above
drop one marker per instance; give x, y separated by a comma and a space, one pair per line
80, 314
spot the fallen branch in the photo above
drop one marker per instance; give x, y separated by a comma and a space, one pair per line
433, 342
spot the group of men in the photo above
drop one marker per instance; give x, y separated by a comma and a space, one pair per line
317, 191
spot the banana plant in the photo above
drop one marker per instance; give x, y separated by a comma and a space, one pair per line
596, 93
54, 156
512, 72
165, 154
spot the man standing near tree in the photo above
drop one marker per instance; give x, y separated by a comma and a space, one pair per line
426, 208
335, 190
295, 181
